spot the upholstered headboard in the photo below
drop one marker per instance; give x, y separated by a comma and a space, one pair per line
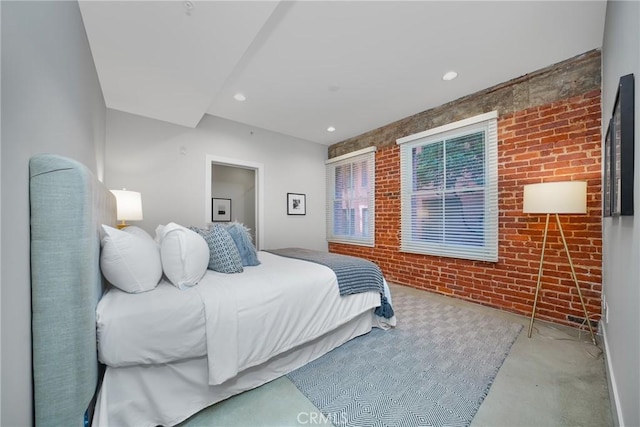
68, 205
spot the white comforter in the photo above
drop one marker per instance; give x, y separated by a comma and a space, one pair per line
160, 326
238, 320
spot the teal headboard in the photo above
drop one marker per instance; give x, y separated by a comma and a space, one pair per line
68, 205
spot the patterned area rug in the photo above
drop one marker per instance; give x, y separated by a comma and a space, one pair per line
434, 369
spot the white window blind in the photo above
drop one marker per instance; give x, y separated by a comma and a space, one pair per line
350, 198
449, 190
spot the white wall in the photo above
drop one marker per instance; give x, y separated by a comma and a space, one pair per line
51, 102
621, 235
146, 155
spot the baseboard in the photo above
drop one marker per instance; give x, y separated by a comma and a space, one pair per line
618, 418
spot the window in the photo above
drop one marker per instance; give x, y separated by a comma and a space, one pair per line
449, 190
350, 198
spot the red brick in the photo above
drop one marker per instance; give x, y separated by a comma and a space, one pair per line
551, 142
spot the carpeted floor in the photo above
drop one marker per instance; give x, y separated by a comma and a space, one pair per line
434, 369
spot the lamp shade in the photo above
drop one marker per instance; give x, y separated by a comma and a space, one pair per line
129, 205
567, 197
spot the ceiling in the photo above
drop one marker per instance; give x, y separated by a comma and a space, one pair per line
306, 65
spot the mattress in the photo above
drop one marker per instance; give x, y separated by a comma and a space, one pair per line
237, 320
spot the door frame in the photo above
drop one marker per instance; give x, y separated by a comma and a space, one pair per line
258, 168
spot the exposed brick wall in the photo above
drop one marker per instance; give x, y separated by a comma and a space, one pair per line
556, 141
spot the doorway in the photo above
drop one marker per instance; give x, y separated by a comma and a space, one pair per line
238, 185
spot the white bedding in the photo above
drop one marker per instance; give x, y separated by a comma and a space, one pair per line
166, 394
270, 311
238, 331
295, 302
159, 326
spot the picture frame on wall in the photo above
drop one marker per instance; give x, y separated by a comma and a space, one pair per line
622, 148
607, 176
296, 204
220, 210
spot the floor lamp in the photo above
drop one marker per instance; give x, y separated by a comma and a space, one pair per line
568, 197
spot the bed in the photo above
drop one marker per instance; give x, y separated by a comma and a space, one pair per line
225, 335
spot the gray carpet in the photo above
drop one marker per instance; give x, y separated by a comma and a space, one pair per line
434, 369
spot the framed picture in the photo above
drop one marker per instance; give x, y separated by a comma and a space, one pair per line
220, 210
296, 204
622, 148
607, 178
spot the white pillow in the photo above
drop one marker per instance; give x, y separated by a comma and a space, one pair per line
137, 231
184, 254
159, 233
130, 261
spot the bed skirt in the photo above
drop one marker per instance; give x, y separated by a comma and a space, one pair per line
152, 395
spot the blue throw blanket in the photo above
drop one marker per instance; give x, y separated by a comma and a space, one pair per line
354, 274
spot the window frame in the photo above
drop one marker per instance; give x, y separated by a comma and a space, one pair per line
366, 155
488, 251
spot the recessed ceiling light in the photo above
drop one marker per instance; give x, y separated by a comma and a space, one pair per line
450, 75
331, 129
239, 97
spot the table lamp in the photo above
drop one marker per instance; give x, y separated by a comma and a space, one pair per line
129, 206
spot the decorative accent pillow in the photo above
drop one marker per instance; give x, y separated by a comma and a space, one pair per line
129, 260
184, 255
223, 253
241, 237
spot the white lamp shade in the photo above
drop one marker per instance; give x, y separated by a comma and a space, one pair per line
567, 197
129, 205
